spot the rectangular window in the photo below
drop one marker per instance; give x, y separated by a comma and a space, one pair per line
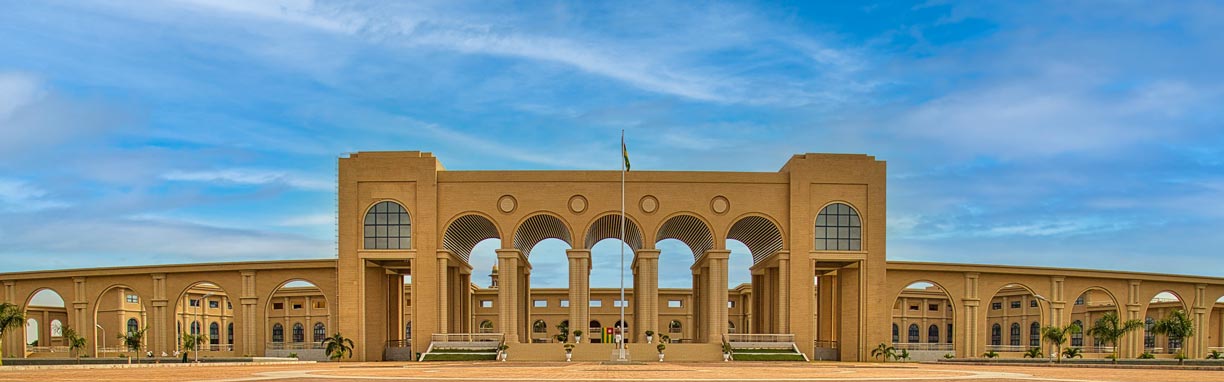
564, 303
913, 307
1079, 301
596, 303
486, 303
996, 305
1032, 303
297, 306
933, 307
320, 304
730, 304
278, 306
131, 298
1015, 304
620, 303
541, 304
214, 304
195, 302
228, 305
674, 304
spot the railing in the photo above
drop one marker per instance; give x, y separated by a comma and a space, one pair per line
824, 344
46, 349
922, 346
1162, 350
288, 345
1009, 348
467, 337
113, 349
732, 338
1097, 349
399, 343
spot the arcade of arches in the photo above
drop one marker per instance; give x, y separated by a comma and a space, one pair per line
815, 232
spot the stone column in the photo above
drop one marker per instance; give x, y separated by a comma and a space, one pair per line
247, 322
1133, 345
580, 290
646, 298
715, 263
784, 310
465, 280
443, 270
971, 347
1198, 342
507, 293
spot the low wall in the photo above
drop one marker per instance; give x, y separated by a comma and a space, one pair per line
639, 352
134, 361
302, 354
928, 355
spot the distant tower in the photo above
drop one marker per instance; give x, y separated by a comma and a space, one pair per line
493, 276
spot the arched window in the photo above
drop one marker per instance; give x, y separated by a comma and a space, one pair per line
486, 326
278, 333
229, 334
57, 328
387, 226
1077, 339
320, 332
838, 228
1149, 338
996, 335
133, 325
1014, 338
913, 333
408, 330
299, 333
195, 328
1175, 343
32, 334
1034, 334
539, 327
730, 327
949, 336
214, 333
896, 333
674, 327
933, 334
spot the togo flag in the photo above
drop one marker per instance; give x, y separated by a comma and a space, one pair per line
624, 150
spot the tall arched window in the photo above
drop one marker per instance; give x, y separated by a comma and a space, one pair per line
949, 336
913, 334
674, 327
57, 328
320, 332
278, 333
486, 326
730, 327
1014, 339
896, 333
1034, 334
195, 328
933, 334
133, 325
387, 226
1149, 338
539, 327
408, 330
229, 334
996, 335
1077, 339
299, 333
838, 228
214, 333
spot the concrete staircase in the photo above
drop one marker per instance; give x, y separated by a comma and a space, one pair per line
638, 352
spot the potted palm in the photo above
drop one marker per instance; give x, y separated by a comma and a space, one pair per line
578, 336
76, 343
649, 336
660, 348
1058, 336
503, 352
726, 351
569, 352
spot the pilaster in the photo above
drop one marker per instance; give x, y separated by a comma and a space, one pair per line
508, 277
580, 290
646, 297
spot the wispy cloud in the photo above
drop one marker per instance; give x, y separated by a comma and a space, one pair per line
243, 176
21, 196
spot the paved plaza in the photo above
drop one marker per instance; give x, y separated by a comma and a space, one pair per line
573, 372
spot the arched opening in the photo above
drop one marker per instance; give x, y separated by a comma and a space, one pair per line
120, 311
45, 319
387, 225
297, 305
486, 326
689, 237
596, 331
1089, 307
1164, 306
1013, 308
474, 239
544, 239
204, 305
756, 279
925, 303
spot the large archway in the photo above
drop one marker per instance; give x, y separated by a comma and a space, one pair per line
754, 242
1010, 317
710, 302
46, 317
1089, 307
1160, 307
923, 321
205, 320
120, 310
298, 320
544, 240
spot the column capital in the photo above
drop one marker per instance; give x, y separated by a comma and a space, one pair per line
578, 253
650, 253
510, 253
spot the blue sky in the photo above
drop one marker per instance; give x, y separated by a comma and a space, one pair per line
1070, 134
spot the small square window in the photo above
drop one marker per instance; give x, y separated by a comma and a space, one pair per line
195, 302
564, 303
486, 303
131, 298
933, 307
214, 304
996, 305
297, 306
278, 305
913, 307
1015, 304
674, 304
596, 303
320, 304
620, 303
540, 303
730, 304
1032, 303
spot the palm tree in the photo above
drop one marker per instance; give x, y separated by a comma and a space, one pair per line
338, 346
1058, 336
1073, 353
132, 339
1177, 325
884, 351
75, 341
1033, 353
189, 342
11, 317
1108, 329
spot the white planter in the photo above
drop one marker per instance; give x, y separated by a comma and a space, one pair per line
726, 357
569, 356
649, 339
504, 355
660, 357
578, 339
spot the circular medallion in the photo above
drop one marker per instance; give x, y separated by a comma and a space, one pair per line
507, 204
577, 204
720, 204
649, 204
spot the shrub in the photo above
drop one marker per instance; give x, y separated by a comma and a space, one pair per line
293, 355
991, 354
660, 347
1147, 355
949, 356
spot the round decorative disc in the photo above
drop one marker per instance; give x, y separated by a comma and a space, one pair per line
577, 204
649, 204
507, 204
720, 204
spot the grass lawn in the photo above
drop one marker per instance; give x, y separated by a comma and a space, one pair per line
442, 350
459, 357
789, 351
767, 357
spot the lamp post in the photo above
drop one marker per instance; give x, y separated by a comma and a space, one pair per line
1051, 322
199, 324
103, 337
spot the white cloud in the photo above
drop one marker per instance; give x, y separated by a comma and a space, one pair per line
244, 176
21, 196
308, 220
18, 90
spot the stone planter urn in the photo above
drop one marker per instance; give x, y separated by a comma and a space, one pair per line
569, 356
660, 357
726, 357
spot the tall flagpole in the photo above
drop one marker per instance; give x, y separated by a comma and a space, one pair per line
621, 328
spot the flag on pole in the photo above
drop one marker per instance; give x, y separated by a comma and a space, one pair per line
624, 151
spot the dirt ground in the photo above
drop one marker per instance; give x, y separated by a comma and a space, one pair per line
574, 372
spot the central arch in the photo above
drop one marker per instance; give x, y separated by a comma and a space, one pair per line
608, 226
463, 233
689, 229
